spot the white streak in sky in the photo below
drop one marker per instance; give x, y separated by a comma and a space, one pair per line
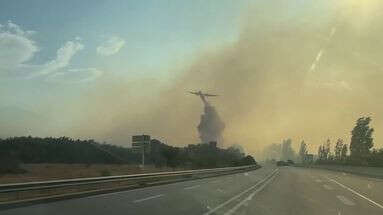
320, 53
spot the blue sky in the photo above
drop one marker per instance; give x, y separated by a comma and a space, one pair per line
152, 30
111, 69
132, 39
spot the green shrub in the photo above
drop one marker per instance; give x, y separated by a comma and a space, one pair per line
10, 164
105, 172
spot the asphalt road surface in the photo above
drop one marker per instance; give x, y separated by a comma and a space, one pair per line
269, 190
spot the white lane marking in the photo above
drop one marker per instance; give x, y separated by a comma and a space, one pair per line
345, 200
240, 194
245, 174
135, 190
327, 187
356, 193
318, 180
192, 187
148, 198
250, 197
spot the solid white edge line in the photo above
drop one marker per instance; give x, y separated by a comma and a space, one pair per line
240, 194
356, 193
236, 207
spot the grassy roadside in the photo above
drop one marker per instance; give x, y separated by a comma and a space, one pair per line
42, 172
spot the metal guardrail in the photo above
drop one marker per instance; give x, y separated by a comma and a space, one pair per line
43, 185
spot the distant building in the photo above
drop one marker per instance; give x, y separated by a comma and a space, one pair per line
308, 158
213, 144
140, 143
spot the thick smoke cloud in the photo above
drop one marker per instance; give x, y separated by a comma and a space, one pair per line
211, 126
268, 93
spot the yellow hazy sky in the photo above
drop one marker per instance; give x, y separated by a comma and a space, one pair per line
284, 69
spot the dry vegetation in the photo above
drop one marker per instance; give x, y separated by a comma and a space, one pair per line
41, 172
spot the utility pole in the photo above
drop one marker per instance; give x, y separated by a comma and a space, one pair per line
143, 155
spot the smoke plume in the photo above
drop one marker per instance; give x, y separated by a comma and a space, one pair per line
264, 74
211, 126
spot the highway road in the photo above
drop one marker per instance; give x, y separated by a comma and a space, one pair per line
269, 190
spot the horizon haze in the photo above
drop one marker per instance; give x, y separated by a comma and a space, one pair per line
305, 70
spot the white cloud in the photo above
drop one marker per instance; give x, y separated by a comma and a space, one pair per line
63, 57
111, 46
17, 48
74, 76
17, 30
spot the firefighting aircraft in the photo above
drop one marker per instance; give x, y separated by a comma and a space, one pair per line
199, 93
202, 95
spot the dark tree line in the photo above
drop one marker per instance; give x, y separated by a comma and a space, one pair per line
361, 151
16, 150
64, 150
198, 156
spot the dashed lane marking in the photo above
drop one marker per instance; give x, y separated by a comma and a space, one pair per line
148, 198
345, 200
192, 187
327, 187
